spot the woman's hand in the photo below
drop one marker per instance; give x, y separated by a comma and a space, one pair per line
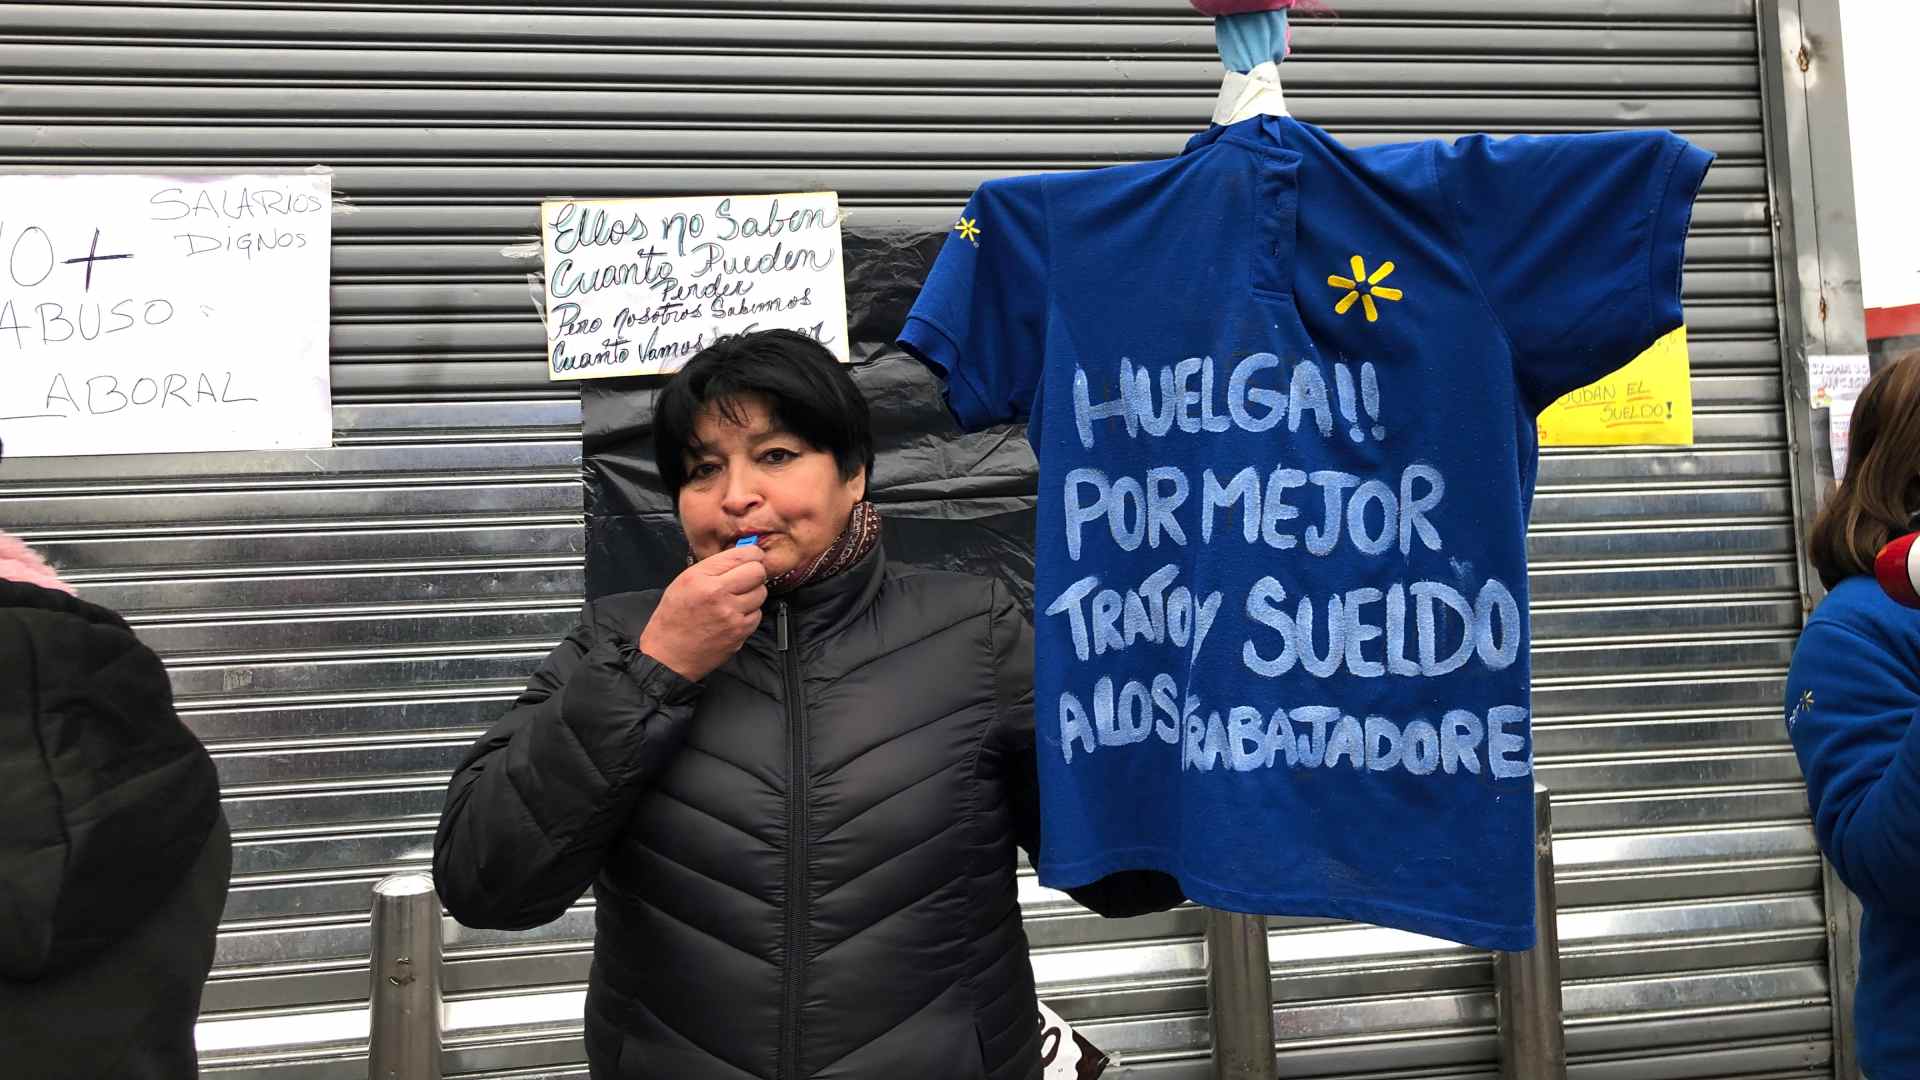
708, 612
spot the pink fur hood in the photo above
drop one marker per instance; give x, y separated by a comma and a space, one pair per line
18, 562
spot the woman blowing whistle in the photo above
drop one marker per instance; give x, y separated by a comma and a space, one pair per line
795, 778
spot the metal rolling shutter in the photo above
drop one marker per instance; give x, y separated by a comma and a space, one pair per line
339, 624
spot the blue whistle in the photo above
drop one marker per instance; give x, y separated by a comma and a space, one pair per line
745, 541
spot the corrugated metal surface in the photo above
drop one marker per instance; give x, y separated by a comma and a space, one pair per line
339, 624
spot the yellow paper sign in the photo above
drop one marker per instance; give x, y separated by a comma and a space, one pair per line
1647, 403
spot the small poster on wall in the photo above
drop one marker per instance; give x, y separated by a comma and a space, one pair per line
153, 314
639, 286
1834, 384
1647, 403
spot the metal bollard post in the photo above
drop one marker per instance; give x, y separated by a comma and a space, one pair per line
1533, 1041
405, 1005
1239, 996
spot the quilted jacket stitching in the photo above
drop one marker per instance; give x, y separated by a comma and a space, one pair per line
662, 792
945, 767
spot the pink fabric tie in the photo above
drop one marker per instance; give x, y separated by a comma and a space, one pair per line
18, 562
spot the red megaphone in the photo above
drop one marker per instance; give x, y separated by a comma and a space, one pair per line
1898, 570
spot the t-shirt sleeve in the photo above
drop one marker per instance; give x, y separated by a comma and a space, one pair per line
980, 320
1577, 242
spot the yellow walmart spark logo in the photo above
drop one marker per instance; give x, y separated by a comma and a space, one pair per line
1364, 289
1800, 710
969, 230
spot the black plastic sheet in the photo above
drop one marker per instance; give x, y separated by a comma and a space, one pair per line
950, 500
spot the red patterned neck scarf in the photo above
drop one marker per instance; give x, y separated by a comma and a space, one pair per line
862, 535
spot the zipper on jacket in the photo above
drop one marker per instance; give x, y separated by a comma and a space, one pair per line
797, 913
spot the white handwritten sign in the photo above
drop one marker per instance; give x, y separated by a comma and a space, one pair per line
639, 286
147, 314
1066, 1054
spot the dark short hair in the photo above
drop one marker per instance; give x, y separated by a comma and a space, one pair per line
808, 391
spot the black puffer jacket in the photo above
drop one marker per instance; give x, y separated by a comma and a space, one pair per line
860, 923
113, 850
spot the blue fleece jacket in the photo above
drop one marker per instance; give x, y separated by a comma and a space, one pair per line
1852, 698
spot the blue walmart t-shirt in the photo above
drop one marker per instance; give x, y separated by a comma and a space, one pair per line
1283, 397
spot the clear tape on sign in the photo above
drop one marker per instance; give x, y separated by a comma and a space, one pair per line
341, 204
537, 292
532, 249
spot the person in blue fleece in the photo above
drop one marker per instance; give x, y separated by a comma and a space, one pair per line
1852, 699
